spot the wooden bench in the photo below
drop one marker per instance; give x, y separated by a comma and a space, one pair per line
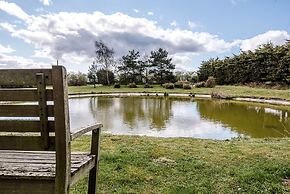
35, 138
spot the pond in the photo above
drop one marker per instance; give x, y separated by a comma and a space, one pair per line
180, 117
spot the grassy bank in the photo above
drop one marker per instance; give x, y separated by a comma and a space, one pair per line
130, 164
233, 91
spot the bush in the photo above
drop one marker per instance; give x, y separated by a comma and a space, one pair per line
200, 85
219, 95
187, 86
147, 86
77, 79
210, 82
132, 85
178, 84
117, 85
168, 86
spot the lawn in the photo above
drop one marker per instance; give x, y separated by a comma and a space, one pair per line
131, 164
233, 91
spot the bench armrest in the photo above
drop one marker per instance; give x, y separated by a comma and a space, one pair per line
84, 130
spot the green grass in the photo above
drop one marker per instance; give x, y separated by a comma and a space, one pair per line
130, 164
234, 91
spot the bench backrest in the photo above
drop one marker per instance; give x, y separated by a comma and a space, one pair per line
36, 116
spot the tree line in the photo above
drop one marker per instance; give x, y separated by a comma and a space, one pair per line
131, 68
266, 64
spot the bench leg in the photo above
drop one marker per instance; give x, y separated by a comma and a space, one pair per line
95, 149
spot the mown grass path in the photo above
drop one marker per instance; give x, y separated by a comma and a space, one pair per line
131, 164
233, 91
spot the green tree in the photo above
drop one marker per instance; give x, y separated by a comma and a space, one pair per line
92, 74
266, 64
161, 66
77, 79
131, 68
103, 76
105, 57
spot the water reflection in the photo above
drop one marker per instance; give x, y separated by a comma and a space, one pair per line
169, 117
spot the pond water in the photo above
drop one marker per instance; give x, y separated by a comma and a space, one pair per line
180, 117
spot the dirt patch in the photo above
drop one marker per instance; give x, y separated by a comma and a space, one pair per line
286, 182
164, 161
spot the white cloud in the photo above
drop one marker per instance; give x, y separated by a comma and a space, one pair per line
150, 13
192, 24
69, 37
13, 61
46, 2
14, 10
173, 23
65, 33
8, 27
6, 49
183, 61
136, 10
276, 37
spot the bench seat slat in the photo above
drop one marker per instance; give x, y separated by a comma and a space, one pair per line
35, 167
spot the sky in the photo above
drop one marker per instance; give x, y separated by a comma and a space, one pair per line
36, 33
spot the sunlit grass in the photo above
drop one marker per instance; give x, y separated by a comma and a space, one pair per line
131, 164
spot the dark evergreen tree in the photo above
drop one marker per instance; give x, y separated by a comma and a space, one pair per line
131, 68
92, 74
161, 66
266, 64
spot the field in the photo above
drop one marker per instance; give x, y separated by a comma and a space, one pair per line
233, 91
130, 164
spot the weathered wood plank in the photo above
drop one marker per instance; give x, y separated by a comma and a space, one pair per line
35, 165
27, 156
23, 77
95, 150
23, 126
38, 159
38, 152
13, 186
29, 95
85, 130
42, 109
23, 143
62, 128
23, 165
82, 170
23, 110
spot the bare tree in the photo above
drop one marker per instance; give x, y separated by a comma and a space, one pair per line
104, 56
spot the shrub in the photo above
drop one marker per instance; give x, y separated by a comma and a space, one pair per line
147, 86
178, 84
132, 85
210, 82
200, 85
220, 95
117, 85
168, 86
187, 86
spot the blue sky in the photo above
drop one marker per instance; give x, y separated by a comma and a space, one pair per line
34, 33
